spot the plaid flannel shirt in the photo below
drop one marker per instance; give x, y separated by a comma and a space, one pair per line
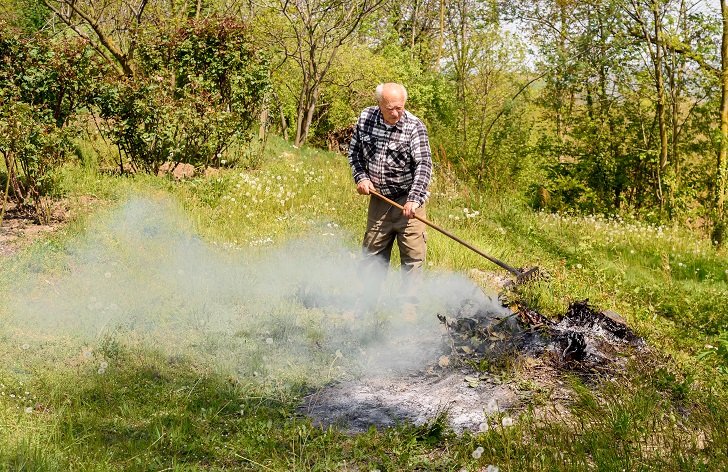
397, 159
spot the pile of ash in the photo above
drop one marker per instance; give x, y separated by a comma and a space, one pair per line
584, 340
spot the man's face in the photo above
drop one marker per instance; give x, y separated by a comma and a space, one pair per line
392, 105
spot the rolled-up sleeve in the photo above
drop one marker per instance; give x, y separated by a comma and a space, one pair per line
422, 156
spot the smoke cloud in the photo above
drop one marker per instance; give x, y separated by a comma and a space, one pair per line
305, 311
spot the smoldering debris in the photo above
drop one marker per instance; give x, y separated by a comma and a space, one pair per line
584, 340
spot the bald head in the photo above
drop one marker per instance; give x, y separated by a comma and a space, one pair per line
391, 98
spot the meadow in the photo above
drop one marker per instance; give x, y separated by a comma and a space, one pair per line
77, 393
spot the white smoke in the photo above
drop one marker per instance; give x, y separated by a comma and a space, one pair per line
304, 311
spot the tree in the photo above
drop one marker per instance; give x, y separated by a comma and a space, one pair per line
314, 32
111, 27
721, 178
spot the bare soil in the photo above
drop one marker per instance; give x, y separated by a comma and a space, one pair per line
19, 227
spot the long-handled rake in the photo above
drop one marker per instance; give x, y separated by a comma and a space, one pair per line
521, 275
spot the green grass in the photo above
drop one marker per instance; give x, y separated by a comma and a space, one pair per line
153, 411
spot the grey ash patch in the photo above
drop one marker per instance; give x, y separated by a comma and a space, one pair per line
382, 402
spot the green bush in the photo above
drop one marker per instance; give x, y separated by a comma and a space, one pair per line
43, 84
31, 146
198, 93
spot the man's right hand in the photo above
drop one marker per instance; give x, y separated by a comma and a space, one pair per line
364, 187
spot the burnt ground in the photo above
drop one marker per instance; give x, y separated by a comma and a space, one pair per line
489, 368
417, 398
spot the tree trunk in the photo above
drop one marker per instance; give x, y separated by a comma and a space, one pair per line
660, 104
309, 113
300, 113
441, 42
306, 108
719, 223
263, 124
415, 12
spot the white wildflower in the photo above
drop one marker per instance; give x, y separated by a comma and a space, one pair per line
507, 421
478, 452
29, 409
25, 346
269, 340
104, 364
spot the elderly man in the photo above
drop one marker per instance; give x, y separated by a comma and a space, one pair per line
390, 153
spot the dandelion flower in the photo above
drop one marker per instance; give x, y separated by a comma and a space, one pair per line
507, 421
101, 371
477, 453
269, 340
104, 364
483, 427
29, 409
25, 346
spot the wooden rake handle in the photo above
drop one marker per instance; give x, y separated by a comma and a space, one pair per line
447, 233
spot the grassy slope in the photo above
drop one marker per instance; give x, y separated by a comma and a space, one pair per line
150, 414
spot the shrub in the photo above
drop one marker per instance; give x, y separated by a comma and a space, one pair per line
199, 91
43, 84
31, 146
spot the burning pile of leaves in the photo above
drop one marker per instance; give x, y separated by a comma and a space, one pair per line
461, 376
585, 339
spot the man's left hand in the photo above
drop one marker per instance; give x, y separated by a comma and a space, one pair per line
409, 209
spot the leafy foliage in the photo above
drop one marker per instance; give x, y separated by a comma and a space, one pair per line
42, 85
199, 91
